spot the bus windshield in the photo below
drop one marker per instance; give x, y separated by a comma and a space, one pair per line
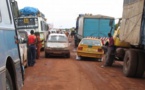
27, 23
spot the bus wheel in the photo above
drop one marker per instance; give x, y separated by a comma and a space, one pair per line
141, 64
9, 85
130, 63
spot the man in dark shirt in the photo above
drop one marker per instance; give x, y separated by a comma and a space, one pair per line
110, 52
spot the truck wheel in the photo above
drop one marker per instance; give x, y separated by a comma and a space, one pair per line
130, 63
120, 52
9, 85
141, 64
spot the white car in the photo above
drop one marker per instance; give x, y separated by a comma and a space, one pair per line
53, 31
57, 44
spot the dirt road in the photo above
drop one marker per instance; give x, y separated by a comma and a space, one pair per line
59, 73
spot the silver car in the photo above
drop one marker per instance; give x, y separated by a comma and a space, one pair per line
57, 44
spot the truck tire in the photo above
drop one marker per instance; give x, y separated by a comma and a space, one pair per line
9, 85
141, 64
130, 63
120, 53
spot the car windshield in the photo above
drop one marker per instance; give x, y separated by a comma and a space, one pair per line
57, 38
91, 42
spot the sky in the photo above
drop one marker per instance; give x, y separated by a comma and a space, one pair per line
63, 13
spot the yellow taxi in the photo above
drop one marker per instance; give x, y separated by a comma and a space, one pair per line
90, 47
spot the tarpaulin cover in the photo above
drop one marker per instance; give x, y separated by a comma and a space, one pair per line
29, 11
130, 29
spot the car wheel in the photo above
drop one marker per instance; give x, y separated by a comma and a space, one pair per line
9, 85
68, 55
100, 60
46, 55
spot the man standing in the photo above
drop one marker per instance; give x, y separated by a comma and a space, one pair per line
110, 52
31, 48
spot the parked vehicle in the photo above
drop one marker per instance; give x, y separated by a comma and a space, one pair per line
23, 35
57, 44
53, 31
132, 30
93, 26
90, 47
11, 71
36, 21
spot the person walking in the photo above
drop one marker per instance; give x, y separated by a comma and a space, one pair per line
31, 48
38, 45
110, 52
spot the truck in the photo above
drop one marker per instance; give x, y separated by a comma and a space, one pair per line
132, 31
35, 20
88, 25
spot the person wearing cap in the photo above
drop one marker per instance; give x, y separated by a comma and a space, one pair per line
110, 52
31, 48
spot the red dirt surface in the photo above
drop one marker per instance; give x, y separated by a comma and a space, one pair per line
60, 73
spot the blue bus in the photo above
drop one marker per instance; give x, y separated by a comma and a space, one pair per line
11, 77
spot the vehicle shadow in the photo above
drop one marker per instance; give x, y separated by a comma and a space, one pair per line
89, 59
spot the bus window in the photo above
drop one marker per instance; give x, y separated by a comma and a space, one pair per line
0, 17
5, 12
22, 21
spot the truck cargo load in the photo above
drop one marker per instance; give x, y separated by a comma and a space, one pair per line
27, 11
132, 22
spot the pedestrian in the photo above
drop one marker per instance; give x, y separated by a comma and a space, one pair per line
110, 52
72, 33
66, 33
31, 48
38, 45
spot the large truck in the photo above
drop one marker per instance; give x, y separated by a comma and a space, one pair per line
88, 25
132, 31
